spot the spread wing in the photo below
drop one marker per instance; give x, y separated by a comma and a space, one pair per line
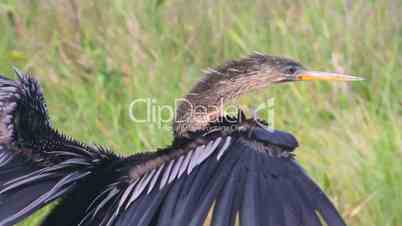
37, 163
236, 179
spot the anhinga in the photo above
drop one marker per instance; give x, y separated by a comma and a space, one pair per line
210, 175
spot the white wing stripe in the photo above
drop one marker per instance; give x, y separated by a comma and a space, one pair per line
208, 152
185, 163
149, 176
165, 175
175, 169
155, 178
201, 155
194, 158
134, 194
224, 147
126, 193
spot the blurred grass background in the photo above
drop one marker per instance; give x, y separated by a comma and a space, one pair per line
95, 57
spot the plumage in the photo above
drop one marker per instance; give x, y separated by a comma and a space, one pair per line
166, 211
186, 161
224, 203
165, 175
224, 147
195, 158
175, 169
232, 171
133, 194
249, 209
155, 178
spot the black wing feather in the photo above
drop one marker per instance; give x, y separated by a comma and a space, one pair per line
37, 163
189, 203
253, 183
249, 209
225, 202
211, 191
317, 197
167, 210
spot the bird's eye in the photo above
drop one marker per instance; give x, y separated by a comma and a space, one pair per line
290, 70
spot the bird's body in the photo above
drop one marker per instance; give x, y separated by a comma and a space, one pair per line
219, 171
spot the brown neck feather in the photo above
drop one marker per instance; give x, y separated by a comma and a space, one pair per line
205, 103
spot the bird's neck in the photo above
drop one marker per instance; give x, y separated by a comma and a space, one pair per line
196, 111
205, 105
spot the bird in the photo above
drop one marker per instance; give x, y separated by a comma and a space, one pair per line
219, 170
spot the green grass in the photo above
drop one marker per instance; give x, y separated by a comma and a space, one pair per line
95, 57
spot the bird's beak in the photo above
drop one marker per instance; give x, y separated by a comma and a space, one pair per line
318, 75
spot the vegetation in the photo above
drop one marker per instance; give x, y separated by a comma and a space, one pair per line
95, 57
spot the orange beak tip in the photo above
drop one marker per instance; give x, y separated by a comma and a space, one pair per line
316, 75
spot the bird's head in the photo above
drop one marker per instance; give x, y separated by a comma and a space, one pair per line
236, 78
259, 70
